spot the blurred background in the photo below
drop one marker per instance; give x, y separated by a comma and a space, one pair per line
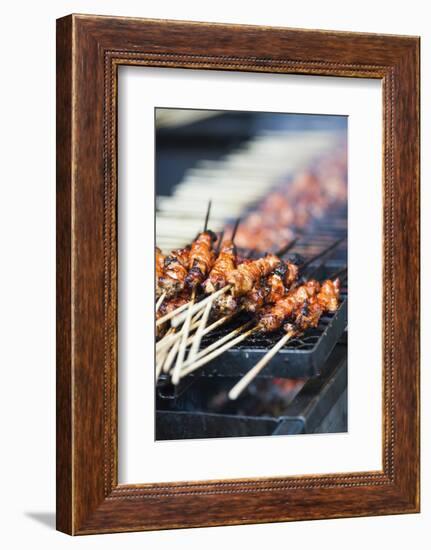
280, 173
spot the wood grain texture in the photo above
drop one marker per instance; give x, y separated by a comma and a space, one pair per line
90, 49
64, 495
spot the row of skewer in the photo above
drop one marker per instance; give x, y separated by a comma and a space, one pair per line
269, 167
207, 283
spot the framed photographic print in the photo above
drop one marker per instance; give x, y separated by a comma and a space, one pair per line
237, 274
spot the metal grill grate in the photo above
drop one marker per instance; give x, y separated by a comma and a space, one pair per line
307, 341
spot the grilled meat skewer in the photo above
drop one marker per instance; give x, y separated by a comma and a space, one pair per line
160, 263
272, 288
168, 306
224, 265
301, 317
326, 300
302, 310
160, 269
172, 277
273, 317
201, 259
244, 278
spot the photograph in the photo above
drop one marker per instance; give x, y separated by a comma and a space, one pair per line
214, 238
237, 273
250, 273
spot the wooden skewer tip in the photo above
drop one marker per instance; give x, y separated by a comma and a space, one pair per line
246, 379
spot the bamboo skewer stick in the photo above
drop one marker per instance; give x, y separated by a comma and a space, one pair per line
178, 319
188, 318
173, 343
199, 333
182, 349
195, 318
245, 381
311, 273
220, 240
166, 338
171, 356
169, 339
211, 327
207, 358
207, 217
282, 251
219, 322
216, 345
214, 325
340, 273
171, 314
160, 301
235, 229
323, 253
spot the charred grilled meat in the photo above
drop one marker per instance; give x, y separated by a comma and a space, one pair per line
160, 268
245, 277
223, 266
201, 259
272, 317
168, 306
175, 270
272, 288
326, 300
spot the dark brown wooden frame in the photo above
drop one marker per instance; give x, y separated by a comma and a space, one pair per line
89, 51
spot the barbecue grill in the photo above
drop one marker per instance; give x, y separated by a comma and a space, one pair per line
302, 389
313, 365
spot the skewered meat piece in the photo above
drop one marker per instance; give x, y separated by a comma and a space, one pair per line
244, 278
175, 270
326, 299
173, 303
285, 274
271, 289
292, 272
170, 305
269, 292
227, 303
201, 258
160, 264
329, 295
276, 288
224, 304
259, 296
273, 317
223, 266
